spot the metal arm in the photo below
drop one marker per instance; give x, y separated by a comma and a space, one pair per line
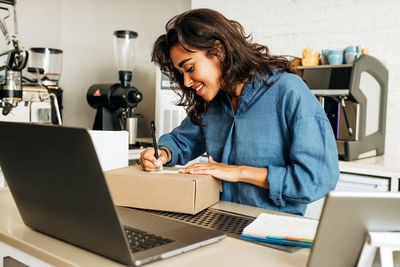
21, 55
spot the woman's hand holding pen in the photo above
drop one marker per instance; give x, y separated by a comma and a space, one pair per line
149, 162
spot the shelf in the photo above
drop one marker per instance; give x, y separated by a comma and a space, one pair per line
324, 66
330, 92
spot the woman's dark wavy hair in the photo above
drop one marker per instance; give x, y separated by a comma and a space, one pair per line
241, 58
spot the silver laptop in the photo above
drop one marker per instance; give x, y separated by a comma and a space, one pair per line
58, 185
346, 219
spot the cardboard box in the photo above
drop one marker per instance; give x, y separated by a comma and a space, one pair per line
176, 192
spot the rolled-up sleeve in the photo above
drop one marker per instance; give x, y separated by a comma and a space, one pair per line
313, 169
186, 142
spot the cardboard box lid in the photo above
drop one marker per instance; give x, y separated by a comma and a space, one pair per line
133, 187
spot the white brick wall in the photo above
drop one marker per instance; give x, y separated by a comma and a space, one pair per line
287, 26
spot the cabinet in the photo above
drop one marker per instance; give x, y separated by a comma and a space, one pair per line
375, 174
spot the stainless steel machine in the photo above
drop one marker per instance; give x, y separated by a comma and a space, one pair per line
36, 99
116, 103
354, 97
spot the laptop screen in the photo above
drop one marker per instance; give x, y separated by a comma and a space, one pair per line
346, 219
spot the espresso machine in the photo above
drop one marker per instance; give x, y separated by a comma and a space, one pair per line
116, 103
28, 99
354, 97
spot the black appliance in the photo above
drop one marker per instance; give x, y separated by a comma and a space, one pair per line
116, 103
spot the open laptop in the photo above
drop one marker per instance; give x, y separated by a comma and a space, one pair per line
58, 185
346, 219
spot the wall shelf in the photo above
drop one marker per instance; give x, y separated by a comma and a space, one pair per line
324, 66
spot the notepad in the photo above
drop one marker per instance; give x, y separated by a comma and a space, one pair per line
281, 229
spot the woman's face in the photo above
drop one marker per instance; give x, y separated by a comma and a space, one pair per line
200, 72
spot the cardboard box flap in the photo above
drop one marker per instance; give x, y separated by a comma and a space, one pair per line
137, 170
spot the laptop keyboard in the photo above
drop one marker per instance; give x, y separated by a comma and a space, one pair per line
140, 240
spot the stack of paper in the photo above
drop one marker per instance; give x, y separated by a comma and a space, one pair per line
280, 229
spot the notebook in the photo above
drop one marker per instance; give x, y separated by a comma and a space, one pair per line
281, 229
59, 188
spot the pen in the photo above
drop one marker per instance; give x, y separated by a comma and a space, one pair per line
346, 117
153, 134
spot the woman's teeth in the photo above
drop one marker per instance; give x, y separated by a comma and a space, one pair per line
199, 87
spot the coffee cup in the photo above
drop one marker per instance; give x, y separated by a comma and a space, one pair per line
351, 48
335, 59
336, 52
324, 56
349, 57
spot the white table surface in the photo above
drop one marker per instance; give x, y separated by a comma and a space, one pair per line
227, 252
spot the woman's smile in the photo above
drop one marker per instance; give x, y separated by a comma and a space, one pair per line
198, 88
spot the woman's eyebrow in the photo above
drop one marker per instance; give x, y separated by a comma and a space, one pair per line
183, 62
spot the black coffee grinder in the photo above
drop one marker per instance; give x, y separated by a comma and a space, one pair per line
116, 103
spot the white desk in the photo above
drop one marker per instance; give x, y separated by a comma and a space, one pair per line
35, 249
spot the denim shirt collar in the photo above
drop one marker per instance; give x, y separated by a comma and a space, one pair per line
250, 90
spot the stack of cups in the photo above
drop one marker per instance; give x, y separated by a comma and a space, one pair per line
351, 53
335, 57
339, 56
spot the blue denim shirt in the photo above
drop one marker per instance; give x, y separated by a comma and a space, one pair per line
282, 128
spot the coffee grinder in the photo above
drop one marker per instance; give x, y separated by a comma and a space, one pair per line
116, 103
45, 64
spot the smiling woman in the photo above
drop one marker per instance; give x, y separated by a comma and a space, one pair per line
223, 41
200, 72
267, 137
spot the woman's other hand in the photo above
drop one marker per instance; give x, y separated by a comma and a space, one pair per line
149, 162
230, 173
221, 171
